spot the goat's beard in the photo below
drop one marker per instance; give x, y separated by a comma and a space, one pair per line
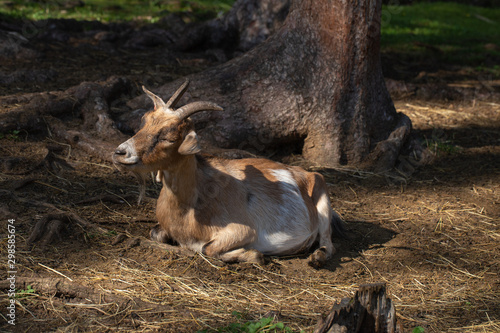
141, 178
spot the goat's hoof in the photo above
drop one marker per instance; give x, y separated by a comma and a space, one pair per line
255, 257
153, 233
318, 258
157, 234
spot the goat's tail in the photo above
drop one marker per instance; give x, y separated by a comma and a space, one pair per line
338, 226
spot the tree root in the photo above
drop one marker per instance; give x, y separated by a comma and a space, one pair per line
107, 197
385, 154
68, 289
17, 184
52, 227
50, 160
119, 239
89, 103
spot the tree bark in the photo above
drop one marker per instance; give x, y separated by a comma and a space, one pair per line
316, 83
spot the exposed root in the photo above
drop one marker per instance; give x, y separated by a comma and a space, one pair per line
50, 160
119, 239
133, 242
53, 225
52, 231
95, 147
18, 184
107, 197
69, 289
88, 102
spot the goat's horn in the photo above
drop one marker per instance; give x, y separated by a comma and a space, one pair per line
177, 95
191, 108
158, 102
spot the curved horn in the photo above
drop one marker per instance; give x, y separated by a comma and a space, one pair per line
158, 102
177, 95
191, 108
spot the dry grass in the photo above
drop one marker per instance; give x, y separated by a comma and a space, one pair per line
432, 236
436, 278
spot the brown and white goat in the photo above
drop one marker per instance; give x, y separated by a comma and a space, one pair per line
235, 210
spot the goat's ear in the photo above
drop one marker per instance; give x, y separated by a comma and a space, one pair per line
190, 144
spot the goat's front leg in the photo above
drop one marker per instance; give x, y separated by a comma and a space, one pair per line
229, 245
241, 255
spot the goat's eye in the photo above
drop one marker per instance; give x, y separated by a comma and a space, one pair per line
167, 140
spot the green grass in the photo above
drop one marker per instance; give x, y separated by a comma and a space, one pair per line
112, 10
441, 146
264, 325
25, 293
453, 32
13, 135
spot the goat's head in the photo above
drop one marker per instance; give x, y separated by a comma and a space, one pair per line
165, 135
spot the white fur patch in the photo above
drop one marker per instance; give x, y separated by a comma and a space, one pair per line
195, 246
324, 223
324, 213
284, 226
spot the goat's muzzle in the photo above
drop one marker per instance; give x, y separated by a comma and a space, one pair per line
125, 155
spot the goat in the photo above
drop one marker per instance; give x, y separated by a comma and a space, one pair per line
235, 210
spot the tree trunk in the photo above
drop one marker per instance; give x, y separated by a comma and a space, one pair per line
316, 83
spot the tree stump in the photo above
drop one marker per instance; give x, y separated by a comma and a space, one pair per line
370, 311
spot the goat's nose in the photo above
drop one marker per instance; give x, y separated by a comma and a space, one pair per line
126, 154
124, 149
120, 151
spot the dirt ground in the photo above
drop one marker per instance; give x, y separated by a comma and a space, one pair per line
430, 231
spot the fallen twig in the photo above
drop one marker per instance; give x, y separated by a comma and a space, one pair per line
55, 271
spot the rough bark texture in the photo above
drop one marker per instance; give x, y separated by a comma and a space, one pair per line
370, 311
317, 81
